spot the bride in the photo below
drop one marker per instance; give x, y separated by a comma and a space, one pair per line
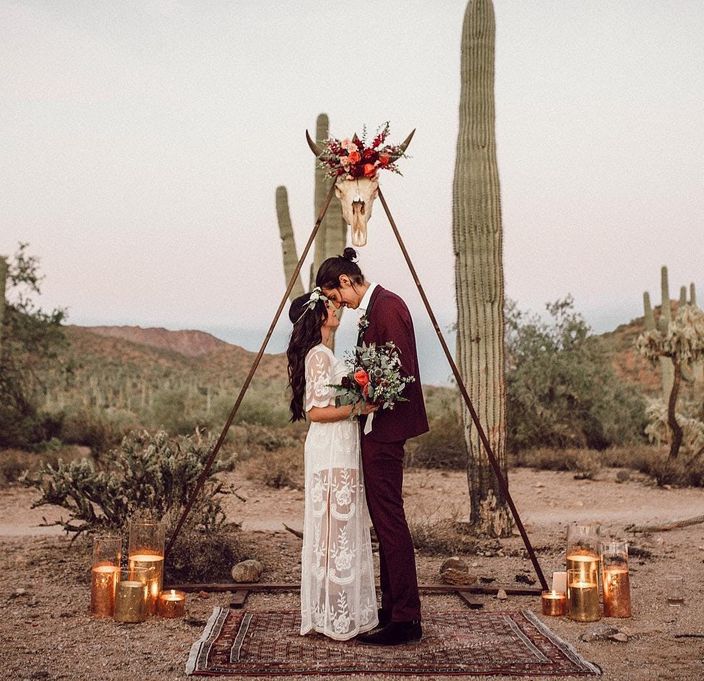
338, 596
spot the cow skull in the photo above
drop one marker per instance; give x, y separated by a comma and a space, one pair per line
357, 195
357, 198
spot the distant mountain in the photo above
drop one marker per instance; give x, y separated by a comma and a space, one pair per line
188, 343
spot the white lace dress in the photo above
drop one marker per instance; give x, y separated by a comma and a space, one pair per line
338, 598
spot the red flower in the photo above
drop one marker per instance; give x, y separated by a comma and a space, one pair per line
369, 155
355, 157
369, 170
356, 171
361, 377
384, 160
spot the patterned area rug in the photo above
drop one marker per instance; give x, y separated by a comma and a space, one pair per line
467, 642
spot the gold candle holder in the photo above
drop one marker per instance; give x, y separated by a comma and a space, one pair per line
146, 552
583, 597
554, 603
615, 579
171, 603
583, 551
104, 574
131, 597
585, 563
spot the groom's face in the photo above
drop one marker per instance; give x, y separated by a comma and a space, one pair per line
345, 295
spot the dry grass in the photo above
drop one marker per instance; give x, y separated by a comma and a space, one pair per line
278, 469
15, 462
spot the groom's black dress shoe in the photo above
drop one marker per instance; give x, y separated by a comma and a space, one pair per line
394, 634
384, 617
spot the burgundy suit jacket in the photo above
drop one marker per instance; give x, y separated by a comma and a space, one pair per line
390, 320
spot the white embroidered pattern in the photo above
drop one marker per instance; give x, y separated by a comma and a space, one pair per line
337, 582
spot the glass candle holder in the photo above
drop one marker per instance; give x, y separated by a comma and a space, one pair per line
582, 597
553, 603
615, 579
131, 596
171, 603
104, 574
146, 551
583, 551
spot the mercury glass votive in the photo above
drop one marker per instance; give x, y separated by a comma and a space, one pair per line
615, 579
582, 597
171, 603
553, 603
104, 574
146, 552
131, 596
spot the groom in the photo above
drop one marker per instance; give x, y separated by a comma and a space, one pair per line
385, 318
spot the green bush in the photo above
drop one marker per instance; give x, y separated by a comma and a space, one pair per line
561, 391
147, 473
278, 469
99, 429
442, 446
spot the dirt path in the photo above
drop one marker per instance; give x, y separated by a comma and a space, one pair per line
46, 632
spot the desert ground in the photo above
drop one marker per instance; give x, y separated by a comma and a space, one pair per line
47, 633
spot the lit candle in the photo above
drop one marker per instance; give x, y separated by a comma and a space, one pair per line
152, 567
586, 564
583, 600
617, 592
131, 601
102, 590
554, 603
559, 582
172, 603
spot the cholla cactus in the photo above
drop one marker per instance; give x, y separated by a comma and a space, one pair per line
683, 344
153, 473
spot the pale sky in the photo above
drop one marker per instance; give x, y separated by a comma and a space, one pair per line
142, 142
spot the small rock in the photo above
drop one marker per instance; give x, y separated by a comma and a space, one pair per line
599, 633
455, 571
623, 476
675, 600
247, 571
501, 595
524, 579
620, 636
539, 485
476, 565
19, 592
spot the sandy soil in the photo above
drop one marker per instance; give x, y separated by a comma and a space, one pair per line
46, 632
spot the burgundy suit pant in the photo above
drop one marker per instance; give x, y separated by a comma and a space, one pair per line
383, 480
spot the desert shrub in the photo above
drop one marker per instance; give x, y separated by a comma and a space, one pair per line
282, 468
153, 473
200, 556
258, 439
99, 429
583, 461
442, 446
561, 391
30, 339
173, 411
445, 536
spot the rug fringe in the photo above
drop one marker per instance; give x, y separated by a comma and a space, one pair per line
563, 645
205, 636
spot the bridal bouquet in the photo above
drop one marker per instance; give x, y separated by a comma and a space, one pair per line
374, 376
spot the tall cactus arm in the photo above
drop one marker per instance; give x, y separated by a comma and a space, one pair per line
648, 311
288, 243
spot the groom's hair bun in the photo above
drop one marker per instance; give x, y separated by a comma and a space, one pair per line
349, 254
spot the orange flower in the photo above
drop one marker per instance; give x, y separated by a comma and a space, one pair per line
361, 377
384, 160
369, 170
355, 157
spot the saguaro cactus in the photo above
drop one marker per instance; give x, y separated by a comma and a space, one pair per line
689, 373
479, 280
3, 280
332, 235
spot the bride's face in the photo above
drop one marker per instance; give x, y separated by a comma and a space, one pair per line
331, 322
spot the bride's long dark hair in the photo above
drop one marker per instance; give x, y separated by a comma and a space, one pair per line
306, 334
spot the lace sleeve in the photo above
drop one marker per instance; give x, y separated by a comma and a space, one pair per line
319, 375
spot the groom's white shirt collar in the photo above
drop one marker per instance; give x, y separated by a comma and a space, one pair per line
364, 304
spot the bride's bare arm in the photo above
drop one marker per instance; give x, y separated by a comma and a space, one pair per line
330, 414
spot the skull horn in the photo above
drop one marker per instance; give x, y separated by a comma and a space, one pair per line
313, 146
404, 145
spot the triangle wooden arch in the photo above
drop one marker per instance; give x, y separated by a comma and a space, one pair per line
503, 485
